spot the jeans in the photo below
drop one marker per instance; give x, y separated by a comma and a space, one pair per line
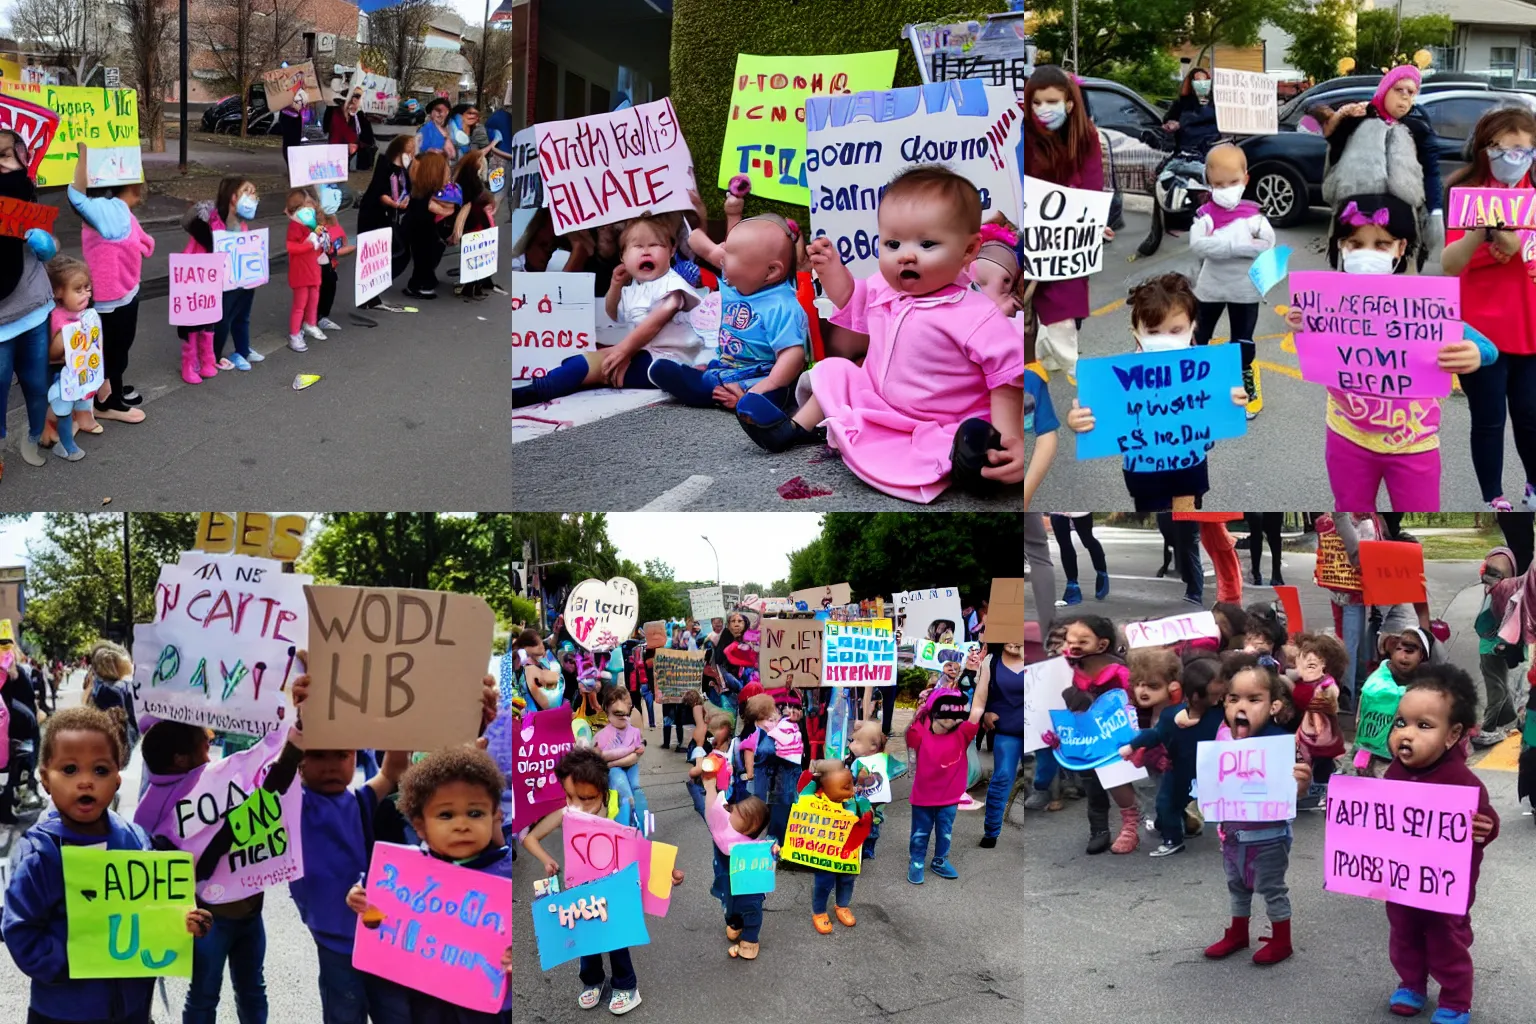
624, 979
1172, 798
626, 782
940, 821
1186, 551
1046, 768
1520, 534
351, 996
746, 913
1352, 632
1258, 867
696, 387
1509, 382
823, 885
649, 696
696, 793
1007, 756
243, 943
720, 888
27, 356
236, 322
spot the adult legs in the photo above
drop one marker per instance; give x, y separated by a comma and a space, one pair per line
1256, 544
1042, 580
1273, 521
1165, 527
1007, 756
27, 355
1522, 411
1084, 526
1519, 533
1186, 550
1061, 525
1353, 635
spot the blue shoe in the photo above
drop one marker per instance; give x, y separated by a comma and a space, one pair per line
1074, 594
869, 853
1444, 1016
943, 868
241, 363
1196, 601
915, 872
1406, 1002
759, 410
1100, 586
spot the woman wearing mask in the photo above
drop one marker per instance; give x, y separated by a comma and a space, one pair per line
1191, 117
383, 205
26, 301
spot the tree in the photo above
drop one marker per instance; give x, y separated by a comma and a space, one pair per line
75, 34
1321, 35
1380, 43
490, 60
245, 38
658, 598
398, 33
151, 35
1234, 22
1110, 32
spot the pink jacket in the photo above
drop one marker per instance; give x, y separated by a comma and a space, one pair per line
116, 266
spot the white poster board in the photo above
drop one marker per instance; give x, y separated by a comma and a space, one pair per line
477, 255
249, 256
1044, 683
374, 264
381, 95
707, 603
113, 165
316, 164
83, 371
1247, 780
1171, 630
922, 615
1246, 102
1063, 233
525, 189
554, 316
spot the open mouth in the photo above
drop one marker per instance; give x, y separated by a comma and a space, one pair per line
85, 802
647, 265
1405, 750
910, 275
1240, 728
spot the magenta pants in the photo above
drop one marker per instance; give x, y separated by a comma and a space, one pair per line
306, 304
1424, 943
1356, 474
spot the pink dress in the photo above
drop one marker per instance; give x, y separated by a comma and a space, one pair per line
894, 418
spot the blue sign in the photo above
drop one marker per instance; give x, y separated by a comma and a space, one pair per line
1160, 410
1270, 268
598, 917
752, 868
1093, 738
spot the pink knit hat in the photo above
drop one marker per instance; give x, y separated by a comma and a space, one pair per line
1390, 79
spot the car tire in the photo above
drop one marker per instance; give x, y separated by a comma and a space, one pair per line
1281, 194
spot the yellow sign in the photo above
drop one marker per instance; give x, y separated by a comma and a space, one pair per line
251, 533
765, 129
816, 835
1334, 570
7, 632
10, 70
99, 118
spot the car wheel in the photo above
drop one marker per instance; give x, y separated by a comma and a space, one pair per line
1281, 195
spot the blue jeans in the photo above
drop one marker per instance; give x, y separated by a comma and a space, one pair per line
1172, 798
626, 782
1046, 768
243, 943
696, 387
746, 913
27, 356
874, 830
1354, 618
1007, 756
720, 889
823, 885
937, 820
351, 996
624, 979
236, 322
647, 695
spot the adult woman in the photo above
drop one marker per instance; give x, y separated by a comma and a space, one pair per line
729, 682
1004, 719
435, 132
472, 216
1191, 117
538, 682
348, 127
26, 300
429, 173
1063, 523
383, 205
469, 134
290, 120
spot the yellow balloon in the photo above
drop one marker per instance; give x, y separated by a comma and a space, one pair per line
1346, 65
1423, 58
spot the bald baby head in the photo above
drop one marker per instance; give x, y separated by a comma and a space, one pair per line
759, 252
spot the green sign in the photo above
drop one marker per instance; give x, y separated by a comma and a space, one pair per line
127, 913
1378, 709
256, 819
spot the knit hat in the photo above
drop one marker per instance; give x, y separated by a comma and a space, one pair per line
1390, 79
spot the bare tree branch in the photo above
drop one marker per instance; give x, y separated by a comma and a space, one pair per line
245, 38
75, 34
396, 33
152, 61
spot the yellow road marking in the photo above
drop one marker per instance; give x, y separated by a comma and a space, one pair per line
1109, 308
1505, 757
1288, 371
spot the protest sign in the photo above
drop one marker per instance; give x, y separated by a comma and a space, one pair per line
197, 288
857, 654
932, 614
819, 598
1392, 572
525, 188
34, 123
1246, 102
790, 653
554, 317
538, 745
1063, 234
601, 615
934, 656
249, 533
598, 917
1208, 517
1172, 630
381, 95
282, 83
1094, 737
1119, 773
596, 846
1492, 208
765, 135
83, 372
856, 144
127, 913
1269, 268
752, 868
1376, 334
18, 217
1378, 710
248, 256
435, 927
1247, 780
374, 267
1005, 611
1044, 685
655, 634
677, 673
872, 777
316, 164
1408, 843
498, 743
1334, 570
992, 50
1160, 410
395, 669
817, 836
113, 165
610, 167
477, 255
1290, 600
707, 603
97, 117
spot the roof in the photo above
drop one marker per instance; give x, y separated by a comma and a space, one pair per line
1512, 14
437, 59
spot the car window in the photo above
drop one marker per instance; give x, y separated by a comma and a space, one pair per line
1111, 109
1334, 99
1455, 118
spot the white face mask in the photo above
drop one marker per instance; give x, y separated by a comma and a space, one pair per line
1368, 261
1051, 115
1227, 198
1165, 342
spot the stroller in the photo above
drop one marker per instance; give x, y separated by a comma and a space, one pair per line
20, 789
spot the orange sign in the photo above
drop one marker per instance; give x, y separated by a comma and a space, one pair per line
1392, 572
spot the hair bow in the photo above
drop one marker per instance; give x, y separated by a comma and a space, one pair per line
1352, 216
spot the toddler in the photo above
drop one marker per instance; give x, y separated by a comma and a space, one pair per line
938, 739
833, 781
232, 211
866, 746
996, 271
1379, 695
1179, 730
1155, 685
304, 247
1320, 662
333, 246
621, 743
776, 758
742, 822
197, 341
71, 325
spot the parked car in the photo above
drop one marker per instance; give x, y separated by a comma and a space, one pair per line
215, 115
1285, 171
408, 112
1131, 134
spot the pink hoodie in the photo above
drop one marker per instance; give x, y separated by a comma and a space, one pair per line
719, 821
116, 266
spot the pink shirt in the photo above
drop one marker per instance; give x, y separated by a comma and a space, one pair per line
116, 266
719, 821
629, 738
938, 779
58, 318
786, 740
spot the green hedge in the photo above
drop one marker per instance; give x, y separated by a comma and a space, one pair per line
707, 35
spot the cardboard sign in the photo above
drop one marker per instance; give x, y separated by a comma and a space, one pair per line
11, 602
1334, 571
282, 83
1376, 334
34, 123
819, 598
765, 136
1290, 600
83, 372
707, 603
596, 846
1491, 207
992, 50
316, 164
381, 94
789, 653
1246, 102
1094, 737
598, 917
127, 913
856, 144
113, 165
655, 634
248, 256
601, 615
677, 673
443, 930
395, 669
932, 614
1172, 630
197, 288
525, 187
1247, 780
1063, 232
1005, 612
1408, 843
1392, 572
543, 738
934, 656
817, 834
858, 654
1045, 683
1160, 410
477, 255
611, 167
18, 217
256, 534
97, 117
374, 267
752, 868
872, 777
554, 317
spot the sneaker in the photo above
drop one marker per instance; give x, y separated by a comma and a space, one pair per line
943, 868
131, 395
987, 843
1277, 581
314, 332
1166, 849
225, 364
1037, 800
327, 324
1406, 1002
1448, 1016
622, 1001
296, 342
241, 363
412, 293
1196, 601
1500, 504
915, 872
1073, 595
1149, 825
1491, 738
69, 456
1250, 415
1100, 586
255, 357
590, 997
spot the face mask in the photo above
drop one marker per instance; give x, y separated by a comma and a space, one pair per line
245, 206
461, 138
1051, 115
405, 159
1165, 342
330, 201
1368, 261
1510, 168
1202, 87
306, 216
1227, 198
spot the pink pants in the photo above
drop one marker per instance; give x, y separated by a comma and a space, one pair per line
1356, 473
1424, 943
306, 306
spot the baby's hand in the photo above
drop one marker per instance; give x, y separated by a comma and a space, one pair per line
1183, 719
1239, 395
1126, 752
198, 919
1481, 826
677, 876
506, 961
1302, 773
1007, 466
822, 253
775, 851
1080, 419
734, 205
695, 772
621, 275
357, 899
1109, 234
551, 869
1459, 357
727, 395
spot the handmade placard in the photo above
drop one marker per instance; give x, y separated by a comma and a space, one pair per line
872, 777
1063, 234
752, 868
857, 654
1290, 600
281, 84
248, 256
83, 372
101, 117
1376, 334
316, 164
1160, 410
554, 317
1094, 737
820, 598
597, 846
934, 656
477, 255
127, 913
1392, 572
525, 188
1403, 842
789, 653
1172, 630
1247, 780
1510, 208
1005, 611
113, 165
18, 217
655, 633
601, 614
197, 288
542, 739
817, 836
707, 603
931, 614
1044, 684
1246, 102
603, 915
677, 673
374, 264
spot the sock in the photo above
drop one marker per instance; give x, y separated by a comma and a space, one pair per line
565, 379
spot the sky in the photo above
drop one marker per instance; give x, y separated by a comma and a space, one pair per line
753, 546
14, 537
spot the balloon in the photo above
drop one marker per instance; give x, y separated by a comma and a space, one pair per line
1423, 58
1346, 65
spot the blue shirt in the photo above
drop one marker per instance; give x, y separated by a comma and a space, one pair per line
1039, 413
431, 137
338, 841
499, 127
755, 328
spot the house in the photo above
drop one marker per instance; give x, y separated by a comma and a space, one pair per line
328, 34
1490, 37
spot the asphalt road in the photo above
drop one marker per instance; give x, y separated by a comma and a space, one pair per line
1278, 464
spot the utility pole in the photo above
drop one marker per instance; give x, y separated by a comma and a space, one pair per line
183, 132
485, 41
128, 576
1074, 35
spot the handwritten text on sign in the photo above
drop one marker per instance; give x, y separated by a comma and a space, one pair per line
1171, 630
1246, 102
127, 913
1247, 780
1491, 207
598, 917
601, 614
1063, 232
83, 372
197, 288
1044, 684
97, 117
707, 603
817, 836
677, 673
477, 255
18, 217
752, 868
1402, 842
1376, 334
596, 846
790, 653
316, 165
554, 317
247, 252
539, 743
36, 125
1092, 738
444, 930
857, 654
611, 167
1161, 410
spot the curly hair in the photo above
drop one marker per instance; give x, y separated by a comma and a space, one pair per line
84, 719
1457, 687
437, 769
1328, 648
583, 764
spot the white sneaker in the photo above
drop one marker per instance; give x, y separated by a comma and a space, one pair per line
314, 332
622, 1002
255, 357
590, 997
296, 342
326, 323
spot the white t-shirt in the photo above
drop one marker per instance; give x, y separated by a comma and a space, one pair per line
677, 339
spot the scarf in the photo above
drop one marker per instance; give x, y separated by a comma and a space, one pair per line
1221, 217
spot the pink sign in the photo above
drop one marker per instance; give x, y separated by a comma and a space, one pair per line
5, 735
1491, 207
597, 847
444, 928
197, 288
543, 739
1376, 334
1403, 842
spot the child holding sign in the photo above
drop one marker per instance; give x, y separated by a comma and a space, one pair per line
304, 247
232, 211
333, 246
71, 282
82, 755
197, 353
938, 738
832, 781
729, 826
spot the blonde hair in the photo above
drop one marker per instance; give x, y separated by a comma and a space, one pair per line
1227, 154
107, 661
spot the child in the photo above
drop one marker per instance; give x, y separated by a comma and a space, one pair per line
82, 757
1256, 853
742, 822
1438, 709
197, 352
116, 246
475, 214
1320, 661
776, 755
1204, 690
1498, 657
622, 744
1227, 233
1155, 685
721, 754
452, 798
304, 247
584, 776
938, 738
232, 211
947, 404
867, 740
333, 246
995, 273
71, 281
1379, 695
834, 781
1265, 636
1163, 312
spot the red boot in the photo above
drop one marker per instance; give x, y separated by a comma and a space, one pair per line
1130, 831
1236, 938
1278, 946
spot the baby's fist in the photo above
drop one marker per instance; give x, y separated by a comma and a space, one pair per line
821, 252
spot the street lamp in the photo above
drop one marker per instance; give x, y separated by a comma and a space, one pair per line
717, 557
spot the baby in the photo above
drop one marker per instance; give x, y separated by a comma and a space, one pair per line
947, 404
996, 271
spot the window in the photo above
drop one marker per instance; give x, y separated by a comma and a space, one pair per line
546, 100
602, 100
1502, 58
1455, 118
575, 95
1115, 110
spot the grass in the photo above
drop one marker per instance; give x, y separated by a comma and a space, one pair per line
1461, 545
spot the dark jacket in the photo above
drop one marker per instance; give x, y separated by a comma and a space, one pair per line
1417, 123
1179, 743
1005, 699
1197, 122
1452, 770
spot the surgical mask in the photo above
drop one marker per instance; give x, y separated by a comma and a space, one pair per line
1509, 168
245, 206
1202, 86
405, 159
1165, 342
1368, 261
1051, 115
460, 138
330, 201
306, 216
1227, 198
